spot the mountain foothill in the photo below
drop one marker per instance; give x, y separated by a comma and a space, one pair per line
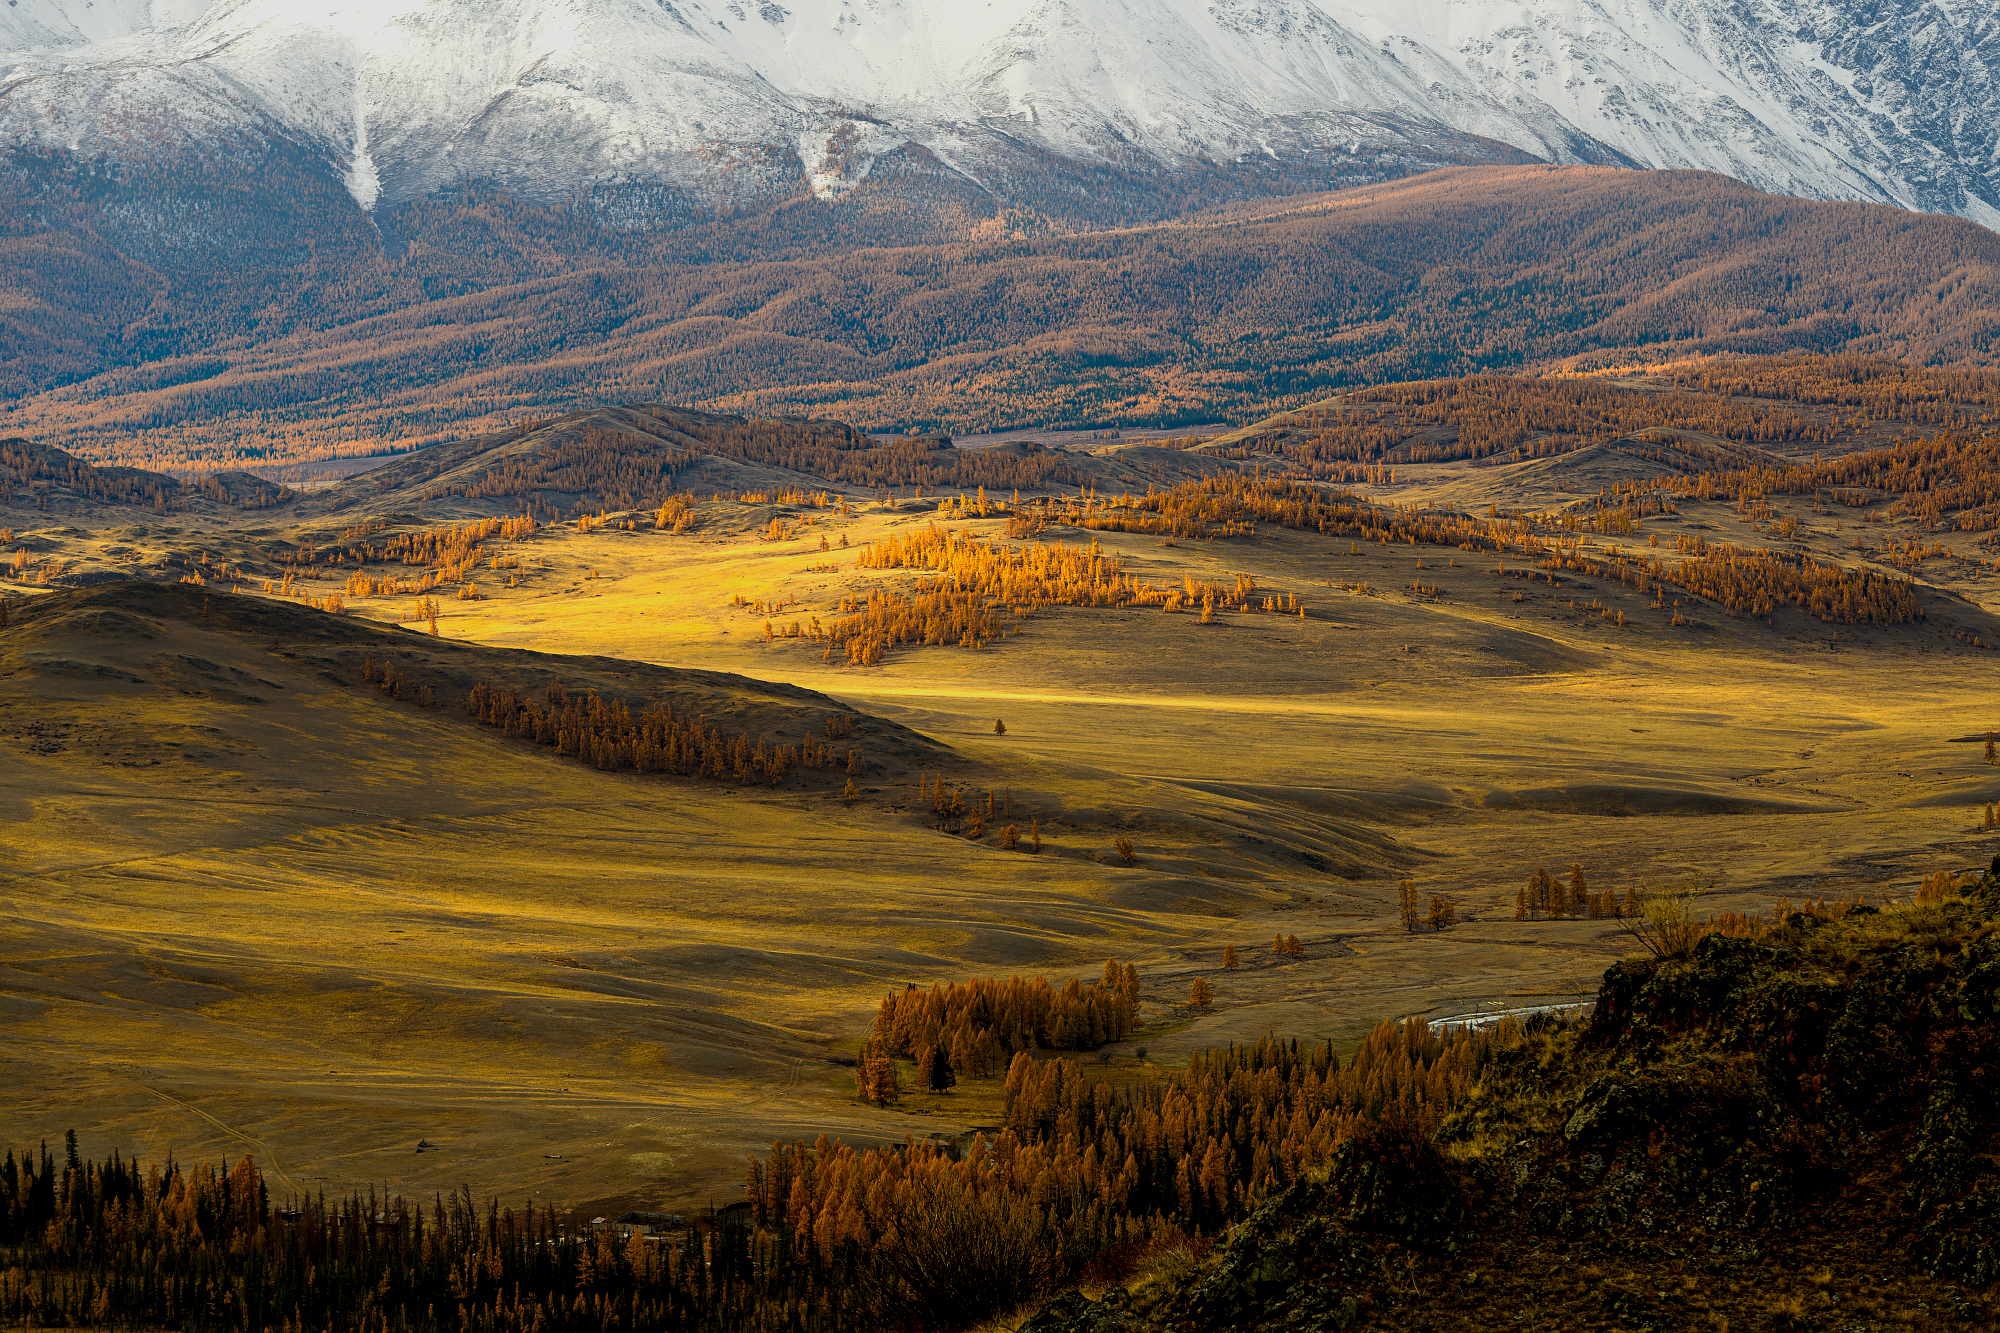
310, 338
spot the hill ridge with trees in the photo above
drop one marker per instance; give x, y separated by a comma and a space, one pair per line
496, 309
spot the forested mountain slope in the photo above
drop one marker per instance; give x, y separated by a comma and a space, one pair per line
494, 309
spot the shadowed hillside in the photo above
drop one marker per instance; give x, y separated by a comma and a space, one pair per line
111, 638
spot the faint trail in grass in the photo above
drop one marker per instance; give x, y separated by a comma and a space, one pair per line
269, 1158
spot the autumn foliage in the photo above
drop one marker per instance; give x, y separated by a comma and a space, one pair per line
610, 734
982, 1023
835, 1237
500, 306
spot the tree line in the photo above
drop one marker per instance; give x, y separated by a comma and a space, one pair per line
1486, 416
1871, 388
975, 579
1948, 480
639, 456
975, 586
656, 739
24, 464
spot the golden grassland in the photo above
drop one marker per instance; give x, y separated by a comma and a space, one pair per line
251, 904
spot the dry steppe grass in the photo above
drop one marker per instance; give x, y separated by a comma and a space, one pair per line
253, 905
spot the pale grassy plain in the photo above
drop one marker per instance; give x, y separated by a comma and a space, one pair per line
323, 927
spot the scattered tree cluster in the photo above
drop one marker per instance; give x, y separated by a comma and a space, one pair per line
1484, 416
1554, 897
391, 680
1231, 504
1441, 914
1756, 583
1950, 480
978, 584
844, 455
1744, 582
1081, 1165
454, 549
977, 1025
619, 469
1870, 388
37, 468
1038, 575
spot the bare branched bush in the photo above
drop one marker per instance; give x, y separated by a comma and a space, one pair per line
1665, 923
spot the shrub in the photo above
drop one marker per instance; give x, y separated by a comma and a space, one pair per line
1665, 922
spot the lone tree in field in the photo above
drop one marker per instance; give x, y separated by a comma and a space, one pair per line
1443, 915
999, 727
1126, 852
1991, 756
1199, 994
877, 1080
1406, 903
1229, 956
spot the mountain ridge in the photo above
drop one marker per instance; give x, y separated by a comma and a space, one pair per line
652, 116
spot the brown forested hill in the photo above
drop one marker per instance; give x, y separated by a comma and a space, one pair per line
1690, 416
483, 317
643, 455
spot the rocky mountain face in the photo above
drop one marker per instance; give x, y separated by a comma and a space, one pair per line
642, 114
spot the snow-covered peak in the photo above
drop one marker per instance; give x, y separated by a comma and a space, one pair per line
733, 100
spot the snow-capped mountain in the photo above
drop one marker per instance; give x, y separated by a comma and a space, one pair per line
728, 102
